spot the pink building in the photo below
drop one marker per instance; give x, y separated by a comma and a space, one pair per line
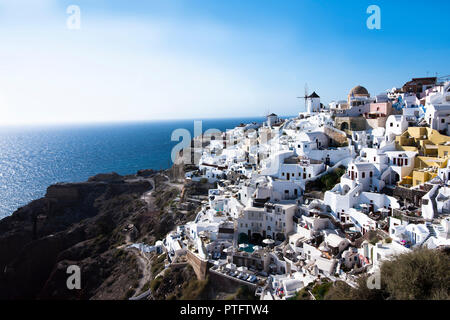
380, 109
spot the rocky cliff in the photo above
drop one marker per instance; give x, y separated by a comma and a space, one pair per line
73, 224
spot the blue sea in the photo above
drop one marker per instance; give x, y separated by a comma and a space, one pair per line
32, 158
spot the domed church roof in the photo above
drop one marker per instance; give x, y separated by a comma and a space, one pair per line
359, 90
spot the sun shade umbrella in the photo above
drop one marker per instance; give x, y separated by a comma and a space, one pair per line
268, 241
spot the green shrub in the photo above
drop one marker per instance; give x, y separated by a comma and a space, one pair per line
422, 274
193, 289
418, 275
320, 290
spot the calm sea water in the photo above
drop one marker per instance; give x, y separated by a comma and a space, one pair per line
32, 158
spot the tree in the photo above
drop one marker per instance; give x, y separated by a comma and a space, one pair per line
418, 275
421, 274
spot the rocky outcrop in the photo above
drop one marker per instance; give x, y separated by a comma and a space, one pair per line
89, 224
75, 223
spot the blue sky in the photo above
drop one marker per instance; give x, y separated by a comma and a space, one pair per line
200, 59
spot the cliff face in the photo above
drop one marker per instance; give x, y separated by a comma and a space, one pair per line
76, 223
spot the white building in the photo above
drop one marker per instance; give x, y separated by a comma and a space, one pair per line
386, 251
272, 119
413, 234
395, 125
313, 103
271, 220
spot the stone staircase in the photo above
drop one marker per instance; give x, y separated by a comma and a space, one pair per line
432, 232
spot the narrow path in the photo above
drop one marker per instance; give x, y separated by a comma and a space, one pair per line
147, 196
179, 186
144, 264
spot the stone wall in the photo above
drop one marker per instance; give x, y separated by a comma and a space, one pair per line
376, 123
227, 283
337, 137
411, 195
199, 265
347, 124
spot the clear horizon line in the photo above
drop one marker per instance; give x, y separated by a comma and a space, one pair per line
68, 123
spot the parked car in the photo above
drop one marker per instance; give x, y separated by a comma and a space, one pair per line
252, 279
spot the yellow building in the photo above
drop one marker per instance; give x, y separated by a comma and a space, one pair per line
433, 149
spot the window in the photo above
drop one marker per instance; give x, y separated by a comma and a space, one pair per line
442, 120
392, 124
282, 174
363, 175
406, 162
371, 174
